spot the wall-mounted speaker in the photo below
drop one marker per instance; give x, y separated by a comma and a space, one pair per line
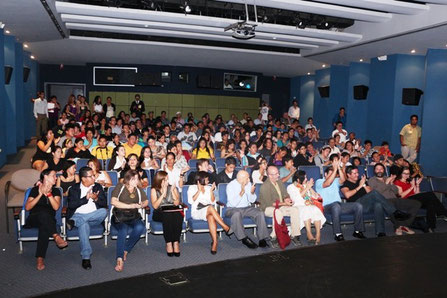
216, 82
148, 79
324, 91
26, 71
361, 92
203, 81
8, 74
411, 96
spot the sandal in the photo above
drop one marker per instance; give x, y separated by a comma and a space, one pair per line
125, 256
119, 265
40, 264
60, 243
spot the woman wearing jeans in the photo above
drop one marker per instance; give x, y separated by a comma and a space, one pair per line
128, 196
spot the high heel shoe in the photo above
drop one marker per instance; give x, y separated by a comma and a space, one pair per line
213, 252
170, 254
229, 233
177, 254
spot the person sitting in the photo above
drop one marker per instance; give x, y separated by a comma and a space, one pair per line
288, 170
229, 149
367, 150
187, 137
322, 159
175, 174
329, 189
273, 190
101, 177
355, 189
87, 207
202, 150
56, 162
180, 160
303, 196
333, 147
259, 173
42, 203
240, 196
229, 174
147, 161
128, 196
301, 159
249, 160
201, 198
90, 141
45, 146
375, 159
399, 163
78, 151
118, 161
341, 132
165, 200
134, 164
277, 158
68, 177
410, 189
386, 187
102, 151
131, 146
202, 165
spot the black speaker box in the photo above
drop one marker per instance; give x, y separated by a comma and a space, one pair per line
216, 82
324, 91
411, 96
8, 74
361, 92
203, 81
26, 71
148, 79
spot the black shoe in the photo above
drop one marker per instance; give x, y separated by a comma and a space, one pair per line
249, 243
296, 241
381, 235
213, 252
176, 254
170, 254
274, 243
401, 216
86, 264
229, 233
263, 243
359, 235
70, 224
339, 237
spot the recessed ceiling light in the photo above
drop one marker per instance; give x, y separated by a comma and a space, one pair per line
7, 31
274, 37
32, 57
413, 51
324, 65
361, 60
308, 73
25, 45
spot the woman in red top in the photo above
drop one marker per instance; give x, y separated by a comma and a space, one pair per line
410, 189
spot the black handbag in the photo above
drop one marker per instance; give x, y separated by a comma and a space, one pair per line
125, 215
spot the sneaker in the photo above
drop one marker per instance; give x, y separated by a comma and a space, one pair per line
339, 237
398, 231
296, 241
275, 243
406, 230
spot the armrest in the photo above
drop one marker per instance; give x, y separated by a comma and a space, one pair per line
7, 186
147, 209
64, 211
16, 212
220, 204
184, 206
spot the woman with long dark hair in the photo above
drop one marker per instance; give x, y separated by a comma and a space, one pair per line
118, 160
68, 177
100, 176
55, 162
42, 203
134, 164
202, 150
45, 146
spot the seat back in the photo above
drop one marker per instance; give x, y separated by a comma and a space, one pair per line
184, 195
81, 162
439, 184
193, 163
311, 172
369, 171
113, 176
220, 162
426, 186
25, 212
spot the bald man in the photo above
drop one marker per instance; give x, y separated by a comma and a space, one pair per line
240, 196
272, 190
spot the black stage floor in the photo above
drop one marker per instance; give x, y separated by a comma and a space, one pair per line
405, 266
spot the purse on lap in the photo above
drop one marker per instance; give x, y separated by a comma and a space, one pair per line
126, 215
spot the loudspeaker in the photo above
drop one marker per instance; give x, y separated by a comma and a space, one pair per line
148, 79
324, 91
26, 71
203, 81
361, 92
216, 82
8, 74
411, 96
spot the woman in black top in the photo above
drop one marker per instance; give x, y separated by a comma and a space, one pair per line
42, 202
56, 162
134, 164
44, 148
68, 177
301, 159
78, 151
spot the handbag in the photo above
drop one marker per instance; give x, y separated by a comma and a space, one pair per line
282, 233
319, 203
125, 215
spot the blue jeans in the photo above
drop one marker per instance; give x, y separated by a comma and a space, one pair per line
374, 201
337, 209
123, 244
83, 223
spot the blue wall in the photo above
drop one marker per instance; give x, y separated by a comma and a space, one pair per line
20, 115
321, 105
306, 98
11, 132
434, 120
357, 110
3, 97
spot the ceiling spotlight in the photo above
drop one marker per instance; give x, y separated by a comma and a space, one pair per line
324, 65
274, 37
361, 60
186, 8
241, 84
7, 31
308, 73
32, 57
413, 51
147, 4
324, 24
25, 45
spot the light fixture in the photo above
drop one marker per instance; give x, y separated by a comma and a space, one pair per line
7, 31
308, 73
274, 37
302, 24
324, 65
413, 51
361, 60
25, 45
324, 24
241, 83
186, 8
32, 57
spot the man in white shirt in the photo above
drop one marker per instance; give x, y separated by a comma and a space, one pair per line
258, 121
294, 111
41, 114
341, 132
87, 207
187, 137
240, 196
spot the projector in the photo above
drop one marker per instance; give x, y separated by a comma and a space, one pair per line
242, 30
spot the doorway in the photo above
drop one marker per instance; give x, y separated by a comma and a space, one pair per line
63, 90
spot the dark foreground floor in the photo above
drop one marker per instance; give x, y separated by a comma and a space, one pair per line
411, 266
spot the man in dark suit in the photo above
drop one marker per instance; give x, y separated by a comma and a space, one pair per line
137, 106
87, 206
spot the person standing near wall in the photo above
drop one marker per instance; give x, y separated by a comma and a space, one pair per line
410, 139
339, 117
137, 106
294, 112
41, 113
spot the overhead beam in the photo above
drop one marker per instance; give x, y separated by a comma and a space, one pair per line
397, 7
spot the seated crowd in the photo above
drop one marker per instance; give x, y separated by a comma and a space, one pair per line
271, 154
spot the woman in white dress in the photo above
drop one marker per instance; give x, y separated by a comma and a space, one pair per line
101, 177
201, 198
259, 174
303, 196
